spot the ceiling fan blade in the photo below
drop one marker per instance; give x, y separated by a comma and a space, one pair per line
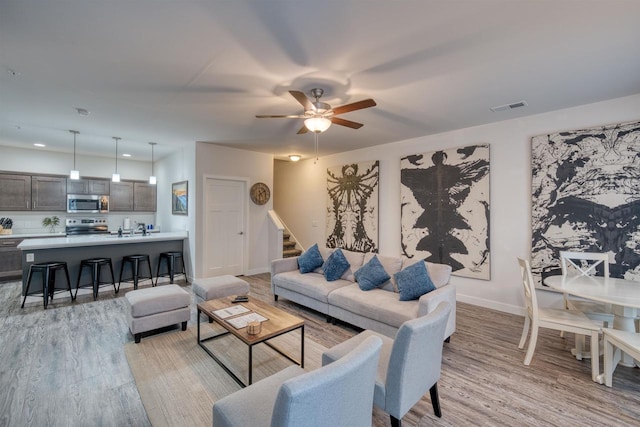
355, 106
302, 99
347, 123
289, 116
302, 130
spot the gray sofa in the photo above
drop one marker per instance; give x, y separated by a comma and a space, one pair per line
379, 309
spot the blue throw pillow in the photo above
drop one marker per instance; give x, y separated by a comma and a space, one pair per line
335, 266
371, 275
310, 260
414, 281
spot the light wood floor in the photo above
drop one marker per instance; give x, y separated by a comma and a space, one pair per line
66, 366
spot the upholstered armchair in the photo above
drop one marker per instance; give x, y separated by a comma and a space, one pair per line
409, 364
340, 394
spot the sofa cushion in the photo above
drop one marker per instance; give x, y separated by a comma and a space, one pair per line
371, 275
356, 259
310, 259
414, 281
377, 304
335, 266
391, 265
312, 285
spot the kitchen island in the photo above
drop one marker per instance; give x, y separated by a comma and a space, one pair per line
74, 249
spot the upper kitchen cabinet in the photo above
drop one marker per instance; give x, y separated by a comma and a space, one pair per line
88, 186
15, 192
121, 197
144, 197
48, 193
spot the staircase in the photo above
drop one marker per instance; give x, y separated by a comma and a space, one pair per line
289, 246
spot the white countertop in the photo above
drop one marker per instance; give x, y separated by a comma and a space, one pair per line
99, 240
30, 235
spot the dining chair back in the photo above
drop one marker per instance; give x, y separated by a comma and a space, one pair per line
556, 319
586, 264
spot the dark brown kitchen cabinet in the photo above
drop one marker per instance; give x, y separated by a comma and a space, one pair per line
144, 197
121, 197
48, 193
10, 259
88, 186
15, 192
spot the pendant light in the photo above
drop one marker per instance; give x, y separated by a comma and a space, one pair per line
116, 176
75, 173
152, 178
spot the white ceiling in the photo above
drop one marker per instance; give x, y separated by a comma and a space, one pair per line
178, 71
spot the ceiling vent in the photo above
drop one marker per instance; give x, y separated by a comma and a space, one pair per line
509, 106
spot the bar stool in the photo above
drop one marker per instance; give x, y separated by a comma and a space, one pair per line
134, 261
48, 271
170, 258
95, 266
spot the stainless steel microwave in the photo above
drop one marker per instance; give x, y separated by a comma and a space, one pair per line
87, 204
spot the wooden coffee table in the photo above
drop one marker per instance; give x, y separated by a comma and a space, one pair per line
279, 322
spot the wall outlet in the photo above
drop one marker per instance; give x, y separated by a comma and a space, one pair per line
27, 224
30, 257
314, 223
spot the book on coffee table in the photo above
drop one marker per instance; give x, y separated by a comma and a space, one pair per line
242, 321
234, 310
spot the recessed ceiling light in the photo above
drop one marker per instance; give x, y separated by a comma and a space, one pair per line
294, 157
82, 111
37, 144
126, 155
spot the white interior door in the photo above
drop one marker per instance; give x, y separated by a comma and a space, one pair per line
224, 240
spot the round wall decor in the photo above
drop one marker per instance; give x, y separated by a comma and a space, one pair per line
260, 193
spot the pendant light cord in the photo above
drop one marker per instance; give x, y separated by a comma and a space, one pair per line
117, 139
315, 146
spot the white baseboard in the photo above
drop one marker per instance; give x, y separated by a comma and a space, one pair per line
253, 271
506, 308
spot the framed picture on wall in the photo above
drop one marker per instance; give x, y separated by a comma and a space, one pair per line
180, 198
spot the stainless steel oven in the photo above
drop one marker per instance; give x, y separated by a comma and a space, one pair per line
82, 203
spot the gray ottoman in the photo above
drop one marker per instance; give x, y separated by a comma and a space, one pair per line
218, 287
154, 308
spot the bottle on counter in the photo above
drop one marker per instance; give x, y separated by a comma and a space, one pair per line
120, 231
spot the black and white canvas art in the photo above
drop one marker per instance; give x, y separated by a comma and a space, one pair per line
352, 207
445, 209
586, 196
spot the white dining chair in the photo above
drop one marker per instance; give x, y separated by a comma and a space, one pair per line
616, 341
556, 319
585, 264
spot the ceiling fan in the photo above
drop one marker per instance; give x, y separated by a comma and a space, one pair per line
320, 115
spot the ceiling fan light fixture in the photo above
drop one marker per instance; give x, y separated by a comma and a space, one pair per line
294, 157
317, 124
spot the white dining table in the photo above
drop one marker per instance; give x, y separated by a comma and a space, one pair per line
622, 294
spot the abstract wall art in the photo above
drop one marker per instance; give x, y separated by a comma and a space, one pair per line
586, 196
352, 207
445, 209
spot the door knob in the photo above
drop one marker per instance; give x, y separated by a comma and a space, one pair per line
241, 233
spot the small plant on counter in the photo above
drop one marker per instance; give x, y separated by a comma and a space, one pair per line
52, 222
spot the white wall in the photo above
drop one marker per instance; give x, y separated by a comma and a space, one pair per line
300, 191
217, 161
178, 166
42, 161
